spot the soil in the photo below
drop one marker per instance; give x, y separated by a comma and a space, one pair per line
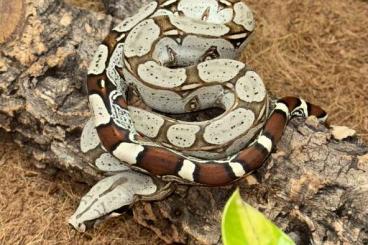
313, 49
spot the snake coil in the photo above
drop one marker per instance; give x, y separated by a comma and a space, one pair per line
180, 56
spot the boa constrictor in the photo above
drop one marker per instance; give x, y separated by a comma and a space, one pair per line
178, 56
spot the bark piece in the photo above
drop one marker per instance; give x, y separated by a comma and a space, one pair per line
12, 14
314, 187
122, 9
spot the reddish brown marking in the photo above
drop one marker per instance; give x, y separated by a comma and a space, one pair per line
291, 102
121, 102
93, 84
110, 135
120, 71
111, 41
253, 157
213, 174
275, 126
159, 161
317, 111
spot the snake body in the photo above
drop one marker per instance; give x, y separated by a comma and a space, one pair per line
179, 56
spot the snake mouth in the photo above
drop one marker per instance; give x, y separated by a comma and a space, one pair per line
195, 116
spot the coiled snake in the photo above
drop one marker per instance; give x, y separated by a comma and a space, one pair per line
179, 56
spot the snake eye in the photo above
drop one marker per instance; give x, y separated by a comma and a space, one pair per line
193, 104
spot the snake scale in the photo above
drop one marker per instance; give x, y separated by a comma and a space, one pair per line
180, 56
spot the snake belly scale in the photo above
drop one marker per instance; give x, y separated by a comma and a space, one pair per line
179, 56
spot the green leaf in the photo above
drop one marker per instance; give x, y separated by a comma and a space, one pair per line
242, 224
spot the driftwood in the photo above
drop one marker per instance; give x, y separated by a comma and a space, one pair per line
314, 187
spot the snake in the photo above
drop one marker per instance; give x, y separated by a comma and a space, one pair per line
182, 57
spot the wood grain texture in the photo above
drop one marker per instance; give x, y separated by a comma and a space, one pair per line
314, 187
